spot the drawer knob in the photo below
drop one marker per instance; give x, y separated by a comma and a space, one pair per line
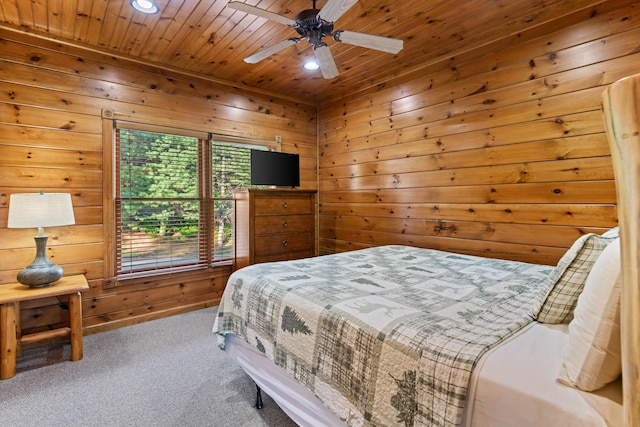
284, 205
285, 243
284, 223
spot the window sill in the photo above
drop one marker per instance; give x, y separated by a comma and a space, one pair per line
155, 278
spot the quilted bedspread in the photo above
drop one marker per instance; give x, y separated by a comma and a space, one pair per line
382, 336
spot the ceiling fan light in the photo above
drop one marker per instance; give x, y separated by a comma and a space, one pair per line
311, 65
145, 6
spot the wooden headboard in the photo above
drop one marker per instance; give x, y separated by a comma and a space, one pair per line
621, 110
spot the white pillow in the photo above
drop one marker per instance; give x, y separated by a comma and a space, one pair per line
593, 357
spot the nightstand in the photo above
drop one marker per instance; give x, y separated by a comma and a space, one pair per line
11, 338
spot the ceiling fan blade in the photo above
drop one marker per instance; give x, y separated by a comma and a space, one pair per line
385, 44
326, 62
247, 8
264, 53
334, 9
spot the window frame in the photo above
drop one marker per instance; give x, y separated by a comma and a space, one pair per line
202, 199
111, 123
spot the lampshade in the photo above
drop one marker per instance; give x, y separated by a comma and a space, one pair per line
33, 210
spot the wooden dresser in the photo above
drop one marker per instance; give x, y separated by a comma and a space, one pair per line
274, 225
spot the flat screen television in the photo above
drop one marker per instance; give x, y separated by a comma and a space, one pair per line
275, 168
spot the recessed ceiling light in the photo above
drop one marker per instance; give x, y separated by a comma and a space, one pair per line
311, 65
145, 6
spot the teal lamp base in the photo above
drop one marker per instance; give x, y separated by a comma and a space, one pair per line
41, 272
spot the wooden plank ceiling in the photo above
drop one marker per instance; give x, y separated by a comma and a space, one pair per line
207, 38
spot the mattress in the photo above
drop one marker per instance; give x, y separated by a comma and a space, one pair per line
381, 335
513, 385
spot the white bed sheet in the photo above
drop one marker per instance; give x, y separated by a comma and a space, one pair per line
513, 385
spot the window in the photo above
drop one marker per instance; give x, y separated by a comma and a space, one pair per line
174, 198
231, 170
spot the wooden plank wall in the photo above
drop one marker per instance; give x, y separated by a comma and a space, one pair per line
499, 152
51, 97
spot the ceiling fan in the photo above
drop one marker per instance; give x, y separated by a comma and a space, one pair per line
313, 25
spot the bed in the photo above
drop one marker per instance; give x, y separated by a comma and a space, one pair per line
392, 335
574, 363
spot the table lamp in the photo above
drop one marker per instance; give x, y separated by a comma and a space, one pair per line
41, 210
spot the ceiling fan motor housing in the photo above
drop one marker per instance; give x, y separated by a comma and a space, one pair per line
311, 27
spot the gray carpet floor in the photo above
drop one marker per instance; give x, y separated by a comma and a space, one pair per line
166, 372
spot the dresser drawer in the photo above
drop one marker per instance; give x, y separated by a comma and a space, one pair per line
283, 243
283, 224
282, 205
273, 225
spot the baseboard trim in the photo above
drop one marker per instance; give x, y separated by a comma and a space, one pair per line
107, 326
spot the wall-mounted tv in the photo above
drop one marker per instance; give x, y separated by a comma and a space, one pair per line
275, 168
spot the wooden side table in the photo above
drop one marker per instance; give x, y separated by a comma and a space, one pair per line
11, 338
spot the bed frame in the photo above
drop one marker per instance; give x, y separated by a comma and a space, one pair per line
621, 110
